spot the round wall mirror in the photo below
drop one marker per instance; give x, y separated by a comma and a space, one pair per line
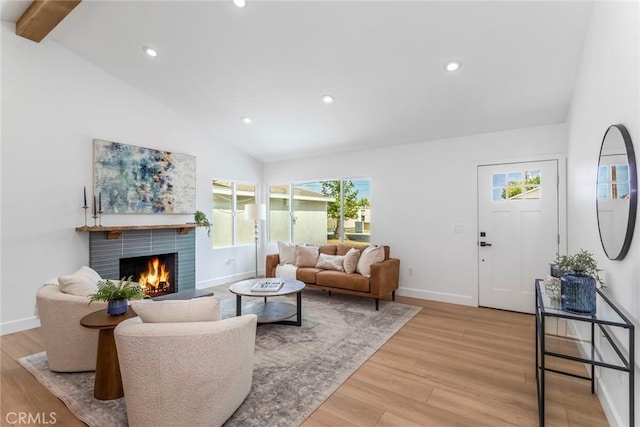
616, 192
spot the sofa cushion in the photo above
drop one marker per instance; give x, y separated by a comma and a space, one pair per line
338, 279
287, 253
202, 309
342, 249
307, 274
306, 256
328, 249
372, 254
83, 282
330, 262
351, 260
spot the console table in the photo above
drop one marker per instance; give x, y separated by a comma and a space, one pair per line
609, 318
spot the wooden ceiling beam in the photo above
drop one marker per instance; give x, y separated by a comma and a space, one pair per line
42, 16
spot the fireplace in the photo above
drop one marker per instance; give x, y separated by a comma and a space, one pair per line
155, 273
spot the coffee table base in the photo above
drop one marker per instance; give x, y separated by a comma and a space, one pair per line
274, 311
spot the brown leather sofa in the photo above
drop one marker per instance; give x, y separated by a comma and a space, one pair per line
383, 280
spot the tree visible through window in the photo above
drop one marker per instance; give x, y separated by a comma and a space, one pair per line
516, 185
323, 211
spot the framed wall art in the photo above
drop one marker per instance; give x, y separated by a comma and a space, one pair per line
132, 179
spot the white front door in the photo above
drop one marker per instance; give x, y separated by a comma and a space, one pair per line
517, 231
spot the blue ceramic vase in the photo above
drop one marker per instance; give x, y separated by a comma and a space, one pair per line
117, 307
578, 293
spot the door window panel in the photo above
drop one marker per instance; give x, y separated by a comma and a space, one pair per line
516, 185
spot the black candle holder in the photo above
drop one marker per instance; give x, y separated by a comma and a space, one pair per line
100, 217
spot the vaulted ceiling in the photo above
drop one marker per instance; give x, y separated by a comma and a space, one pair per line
382, 61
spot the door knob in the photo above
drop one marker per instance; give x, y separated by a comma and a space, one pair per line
485, 244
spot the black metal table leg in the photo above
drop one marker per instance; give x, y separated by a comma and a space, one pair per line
238, 305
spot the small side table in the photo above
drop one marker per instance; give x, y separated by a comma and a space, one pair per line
108, 382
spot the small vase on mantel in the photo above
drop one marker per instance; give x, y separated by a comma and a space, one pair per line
117, 307
578, 293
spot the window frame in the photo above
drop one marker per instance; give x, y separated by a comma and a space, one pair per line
234, 211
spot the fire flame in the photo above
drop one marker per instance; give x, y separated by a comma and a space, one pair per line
155, 276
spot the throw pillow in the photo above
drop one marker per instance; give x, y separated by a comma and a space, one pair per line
204, 309
306, 256
287, 253
351, 260
83, 282
373, 254
330, 262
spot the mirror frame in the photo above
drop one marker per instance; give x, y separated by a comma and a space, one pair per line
633, 192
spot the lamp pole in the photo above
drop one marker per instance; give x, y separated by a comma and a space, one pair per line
255, 233
256, 212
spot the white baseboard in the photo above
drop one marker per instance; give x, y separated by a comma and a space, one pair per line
19, 325
613, 416
437, 296
226, 279
584, 347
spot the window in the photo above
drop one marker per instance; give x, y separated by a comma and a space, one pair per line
613, 182
321, 212
279, 212
229, 225
516, 185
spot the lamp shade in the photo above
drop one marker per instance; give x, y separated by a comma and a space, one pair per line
255, 212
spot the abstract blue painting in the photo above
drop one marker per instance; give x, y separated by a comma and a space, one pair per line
140, 180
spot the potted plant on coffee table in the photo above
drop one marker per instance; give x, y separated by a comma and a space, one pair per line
117, 294
578, 281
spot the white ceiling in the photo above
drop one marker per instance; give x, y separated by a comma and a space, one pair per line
383, 61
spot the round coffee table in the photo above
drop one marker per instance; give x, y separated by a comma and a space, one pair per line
271, 311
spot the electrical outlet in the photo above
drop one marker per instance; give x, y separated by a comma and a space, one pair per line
410, 271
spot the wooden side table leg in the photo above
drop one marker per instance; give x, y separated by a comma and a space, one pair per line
108, 384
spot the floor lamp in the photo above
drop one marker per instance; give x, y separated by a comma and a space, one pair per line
256, 212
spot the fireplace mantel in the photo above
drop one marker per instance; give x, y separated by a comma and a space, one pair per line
114, 232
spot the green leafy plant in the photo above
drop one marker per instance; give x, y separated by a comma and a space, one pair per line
582, 262
122, 289
202, 220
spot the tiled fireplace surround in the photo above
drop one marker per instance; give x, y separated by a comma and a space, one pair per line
105, 254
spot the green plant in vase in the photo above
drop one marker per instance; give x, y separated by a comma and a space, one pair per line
202, 220
117, 294
579, 277
582, 262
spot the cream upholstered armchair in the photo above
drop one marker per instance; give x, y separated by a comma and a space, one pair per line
185, 374
70, 346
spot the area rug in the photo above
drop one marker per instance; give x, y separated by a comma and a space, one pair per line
295, 370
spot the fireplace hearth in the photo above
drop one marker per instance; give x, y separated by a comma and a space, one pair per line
155, 273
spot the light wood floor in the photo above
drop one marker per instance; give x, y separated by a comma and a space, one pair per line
449, 366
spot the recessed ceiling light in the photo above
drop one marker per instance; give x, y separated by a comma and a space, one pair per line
452, 66
327, 99
240, 3
246, 120
150, 51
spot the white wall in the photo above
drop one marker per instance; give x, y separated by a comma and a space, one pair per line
54, 104
607, 92
418, 191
